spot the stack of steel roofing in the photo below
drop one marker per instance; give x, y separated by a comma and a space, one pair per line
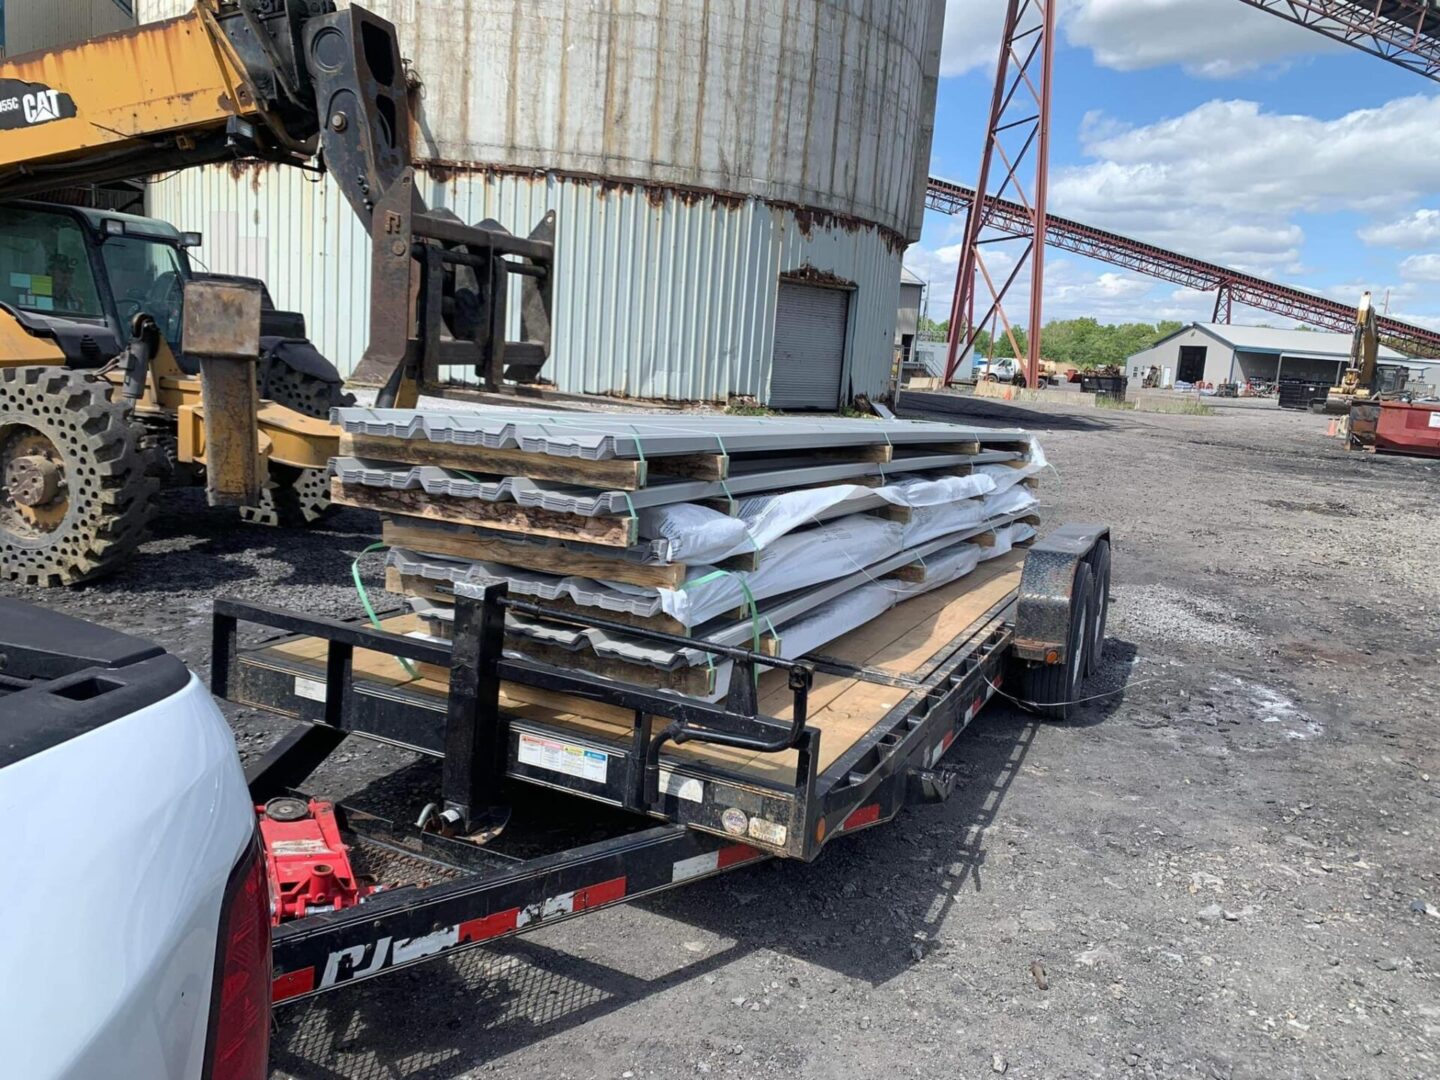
776, 532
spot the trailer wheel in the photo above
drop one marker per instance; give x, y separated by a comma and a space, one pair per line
1050, 689
1099, 607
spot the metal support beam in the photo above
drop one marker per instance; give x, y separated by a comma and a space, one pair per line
1019, 126
475, 732
1404, 32
1223, 299
1012, 218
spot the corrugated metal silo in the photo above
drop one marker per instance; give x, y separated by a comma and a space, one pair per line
698, 154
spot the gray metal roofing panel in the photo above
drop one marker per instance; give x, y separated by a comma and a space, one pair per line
602, 436
637, 650
589, 502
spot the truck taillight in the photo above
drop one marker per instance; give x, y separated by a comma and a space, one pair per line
238, 1046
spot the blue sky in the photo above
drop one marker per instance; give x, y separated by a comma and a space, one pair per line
1217, 130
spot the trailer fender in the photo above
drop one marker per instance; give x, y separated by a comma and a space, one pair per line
1060, 617
1047, 585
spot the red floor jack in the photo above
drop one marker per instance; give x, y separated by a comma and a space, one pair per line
309, 864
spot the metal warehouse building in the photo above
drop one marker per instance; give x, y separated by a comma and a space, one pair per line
27, 25
734, 185
1219, 353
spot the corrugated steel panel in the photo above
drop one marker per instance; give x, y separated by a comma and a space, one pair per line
809, 347
820, 103
42, 24
658, 294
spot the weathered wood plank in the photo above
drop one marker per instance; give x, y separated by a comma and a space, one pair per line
615, 473
607, 531
459, 542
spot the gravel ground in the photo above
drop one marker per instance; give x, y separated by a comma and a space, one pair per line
1225, 868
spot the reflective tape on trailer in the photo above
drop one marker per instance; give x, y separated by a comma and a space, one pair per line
858, 819
713, 861
947, 740
362, 961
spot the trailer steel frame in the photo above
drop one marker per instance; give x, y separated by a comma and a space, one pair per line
693, 818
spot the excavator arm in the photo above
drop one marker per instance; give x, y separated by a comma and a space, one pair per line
1365, 347
278, 80
289, 81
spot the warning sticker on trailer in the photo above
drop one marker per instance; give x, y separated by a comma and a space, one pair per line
564, 758
1434, 418
313, 689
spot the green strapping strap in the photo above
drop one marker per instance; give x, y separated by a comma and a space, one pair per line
639, 448
755, 615
369, 607
726, 488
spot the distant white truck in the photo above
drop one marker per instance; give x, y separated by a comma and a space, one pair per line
999, 369
137, 929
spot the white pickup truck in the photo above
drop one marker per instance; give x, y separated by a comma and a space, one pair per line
136, 938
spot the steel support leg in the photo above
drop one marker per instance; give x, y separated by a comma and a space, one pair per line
475, 733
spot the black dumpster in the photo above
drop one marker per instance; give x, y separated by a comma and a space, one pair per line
1112, 386
1298, 393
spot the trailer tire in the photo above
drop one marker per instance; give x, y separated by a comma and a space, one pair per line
1051, 689
1099, 606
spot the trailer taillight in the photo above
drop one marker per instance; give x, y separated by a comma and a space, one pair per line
238, 1046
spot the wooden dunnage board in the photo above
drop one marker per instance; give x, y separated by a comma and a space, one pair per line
899, 642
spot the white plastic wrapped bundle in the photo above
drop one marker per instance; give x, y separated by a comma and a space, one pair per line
928, 522
830, 551
1015, 500
697, 534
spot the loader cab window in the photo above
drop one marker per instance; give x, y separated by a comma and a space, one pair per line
44, 266
147, 275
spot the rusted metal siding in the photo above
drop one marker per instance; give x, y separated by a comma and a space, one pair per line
826, 104
693, 150
658, 295
42, 24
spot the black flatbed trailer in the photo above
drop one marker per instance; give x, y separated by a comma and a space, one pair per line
703, 787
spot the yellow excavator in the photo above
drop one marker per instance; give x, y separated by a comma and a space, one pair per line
120, 366
1359, 381
1365, 384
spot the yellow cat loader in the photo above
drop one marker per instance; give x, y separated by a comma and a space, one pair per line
120, 366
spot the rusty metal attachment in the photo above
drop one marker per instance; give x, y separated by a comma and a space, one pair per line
439, 297
222, 331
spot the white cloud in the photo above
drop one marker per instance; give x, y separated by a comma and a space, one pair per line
1225, 180
1228, 182
1420, 229
1421, 268
972, 36
1212, 38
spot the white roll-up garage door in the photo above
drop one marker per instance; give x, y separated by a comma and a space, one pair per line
809, 347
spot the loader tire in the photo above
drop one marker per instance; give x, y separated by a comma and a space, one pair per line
294, 498
76, 495
291, 498
305, 393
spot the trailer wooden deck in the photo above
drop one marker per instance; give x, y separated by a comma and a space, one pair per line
895, 646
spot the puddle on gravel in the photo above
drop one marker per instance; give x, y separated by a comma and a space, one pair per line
1268, 707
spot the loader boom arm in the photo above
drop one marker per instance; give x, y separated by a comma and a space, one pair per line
1365, 345
280, 80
